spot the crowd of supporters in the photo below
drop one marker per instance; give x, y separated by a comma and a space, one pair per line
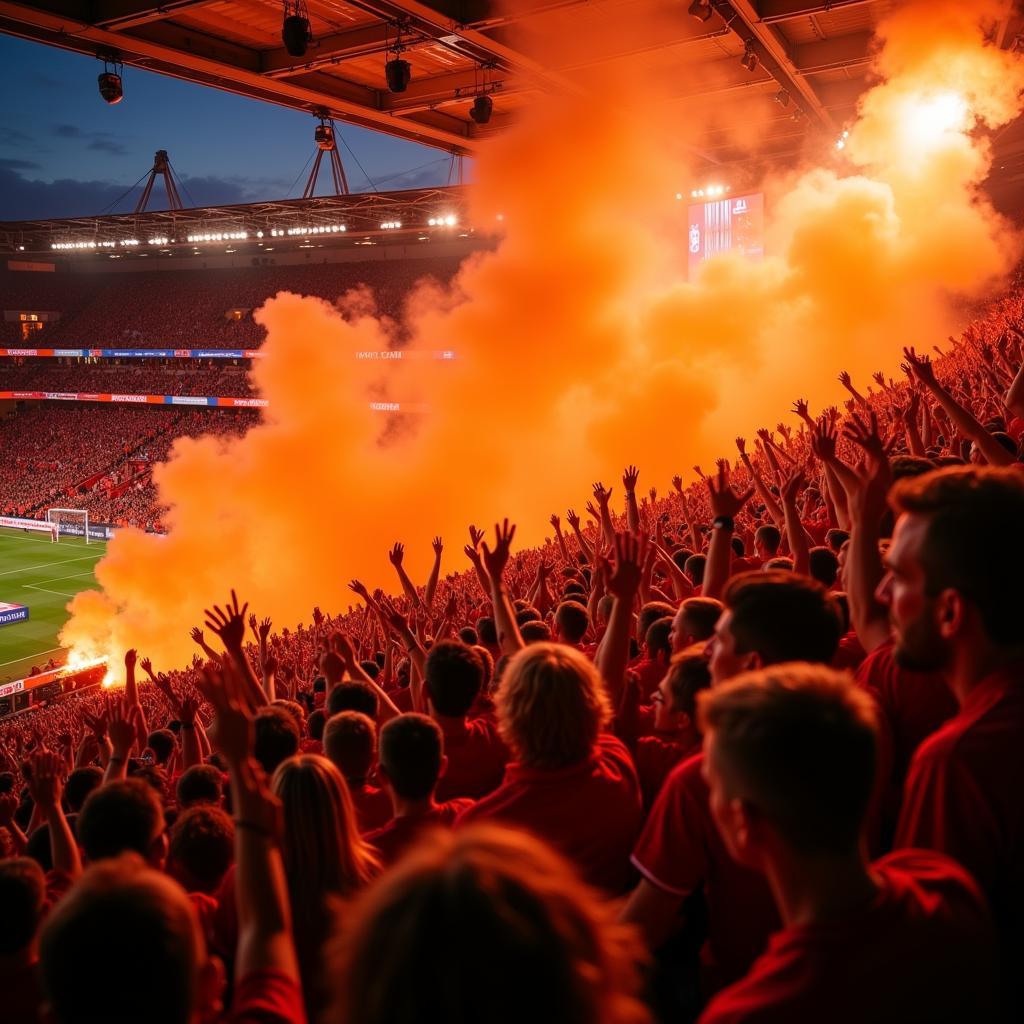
748, 750
138, 377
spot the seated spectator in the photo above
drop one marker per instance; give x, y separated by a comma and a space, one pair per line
790, 760
411, 762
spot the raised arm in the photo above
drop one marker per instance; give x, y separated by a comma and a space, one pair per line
229, 625
726, 504
629, 478
46, 786
495, 562
603, 497
556, 523
396, 557
435, 572
795, 535
847, 382
630, 555
763, 493
198, 638
574, 521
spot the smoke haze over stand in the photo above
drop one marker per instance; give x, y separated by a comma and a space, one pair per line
580, 345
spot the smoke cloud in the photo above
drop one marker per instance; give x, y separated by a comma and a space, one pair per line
580, 345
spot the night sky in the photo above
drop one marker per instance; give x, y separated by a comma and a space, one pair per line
64, 152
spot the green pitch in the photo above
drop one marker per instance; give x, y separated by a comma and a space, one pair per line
44, 576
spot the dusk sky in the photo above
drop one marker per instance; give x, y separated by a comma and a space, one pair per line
64, 152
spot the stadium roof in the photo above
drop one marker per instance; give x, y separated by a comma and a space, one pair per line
817, 51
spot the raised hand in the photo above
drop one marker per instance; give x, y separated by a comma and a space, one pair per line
630, 553
197, 636
555, 522
496, 560
919, 366
475, 536
823, 440
801, 408
866, 435
724, 500
879, 378
629, 478
130, 657
232, 729
360, 589
677, 483
264, 630
846, 380
653, 492
318, 617
592, 511
228, 623
792, 486
147, 667
396, 554
252, 622
473, 555
572, 519
602, 494
121, 729
47, 782
765, 435
438, 546
699, 472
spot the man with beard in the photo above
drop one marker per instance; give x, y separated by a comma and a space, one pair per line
955, 570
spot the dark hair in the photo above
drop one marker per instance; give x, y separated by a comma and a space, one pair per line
904, 467
971, 513
200, 784
681, 556
468, 636
572, 620
835, 539
656, 637
202, 847
695, 568
700, 615
769, 537
315, 723
277, 737
411, 747
120, 816
535, 632
651, 612
162, 743
573, 589
22, 895
689, 673
527, 614
486, 630
352, 697
738, 547
824, 565
371, 668
453, 678
350, 741
781, 616
81, 782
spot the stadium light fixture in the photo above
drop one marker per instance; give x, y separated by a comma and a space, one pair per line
109, 81
295, 31
782, 97
701, 10
749, 58
481, 110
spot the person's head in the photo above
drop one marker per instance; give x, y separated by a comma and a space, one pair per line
453, 678
571, 622
162, 743
771, 617
350, 744
651, 612
487, 631
276, 737
121, 817
695, 569
352, 697
694, 622
332, 668
656, 640
551, 705
835, 539
790, 760
767, 539
739, 549
412, 756
535, 632
324, 854
954, 568
468, 636
22, 895
295, 709
315, 724
202, 848
484, 923
125, 944
676, 696
487, 663
782, 562
824, 566
200, 784
81, 782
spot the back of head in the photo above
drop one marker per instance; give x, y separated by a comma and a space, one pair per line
350, 743
81, 782
276, 737
352, 697
700, 615
162, 743
824, 566
535, 632
485, 924
688, 675
768, 538
121, 817
782, 617
200, 784
411, 748
487, 631
315, 724
22, 894
551, 704
572, 620
971, 542
656, 637
651, 612
121, 947
835, 539
453, 678
798, 743
202, 848
468, 636
695, 569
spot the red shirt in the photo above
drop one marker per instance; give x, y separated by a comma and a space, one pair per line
965, 797
399, 833
850, 653
476, 759
655, 756
267, 997
922, 950
591, 811
373, 806
681, 850
649, 674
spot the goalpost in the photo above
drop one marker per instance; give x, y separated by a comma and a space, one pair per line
56, 516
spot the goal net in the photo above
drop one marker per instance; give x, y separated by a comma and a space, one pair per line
71, 522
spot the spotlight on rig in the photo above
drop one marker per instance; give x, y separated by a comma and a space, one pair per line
397, 72
295, 30
700, 9
109, 81
481, 109
749, 58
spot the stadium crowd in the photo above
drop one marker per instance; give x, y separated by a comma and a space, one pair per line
749, 750
139, 377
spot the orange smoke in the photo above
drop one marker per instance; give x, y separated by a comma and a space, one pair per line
580, 348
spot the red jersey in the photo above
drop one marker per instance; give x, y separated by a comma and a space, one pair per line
655, 756
476, 759
649, 674
921, 950
399, 833
373, 806
267, 997
849, 654
965, 797
591, 811
681, 850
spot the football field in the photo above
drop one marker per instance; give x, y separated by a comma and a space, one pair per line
44, 576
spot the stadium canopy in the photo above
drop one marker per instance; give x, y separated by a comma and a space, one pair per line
812, 57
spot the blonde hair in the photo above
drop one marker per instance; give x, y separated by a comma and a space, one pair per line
486, 924
552, 704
